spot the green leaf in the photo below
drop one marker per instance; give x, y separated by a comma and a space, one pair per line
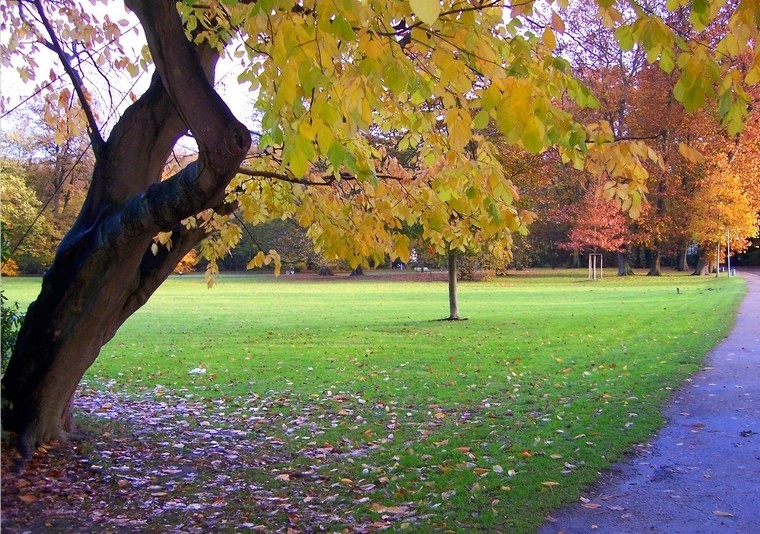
666, 62
533, 136
700, 14
481, 119
426, 10
336, 154
624, 36
341, 28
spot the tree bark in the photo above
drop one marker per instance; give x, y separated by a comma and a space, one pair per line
624, 264
453, 297
655, 259
104, 269
703, 266
682, 263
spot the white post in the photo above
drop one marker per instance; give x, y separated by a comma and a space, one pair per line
593, 257
728, 250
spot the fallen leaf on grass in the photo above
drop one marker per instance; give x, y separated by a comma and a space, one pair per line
28, 499
591, 505
550, 483
379, 508
283, 477
480, 471
498, 469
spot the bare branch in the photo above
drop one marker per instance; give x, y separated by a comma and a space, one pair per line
94, 132
325, 180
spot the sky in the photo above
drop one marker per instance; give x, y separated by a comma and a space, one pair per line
15, 92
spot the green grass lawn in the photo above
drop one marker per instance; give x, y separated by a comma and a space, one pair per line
478, 425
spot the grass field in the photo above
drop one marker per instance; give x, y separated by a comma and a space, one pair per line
359, 397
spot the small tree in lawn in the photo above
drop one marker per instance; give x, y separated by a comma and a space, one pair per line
598, 224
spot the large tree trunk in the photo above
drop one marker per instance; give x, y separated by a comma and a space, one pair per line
655, 260
682, 263
703, 266
624, 264
453, 298
104, 269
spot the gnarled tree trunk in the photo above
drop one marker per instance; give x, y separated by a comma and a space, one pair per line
104, 269
624, 264
703, 265
655, 260
682, 263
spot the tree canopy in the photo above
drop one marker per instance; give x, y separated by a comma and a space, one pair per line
334, 81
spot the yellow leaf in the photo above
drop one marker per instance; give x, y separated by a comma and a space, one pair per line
688, 153
257, 261
550, 483
426, 10
548, 38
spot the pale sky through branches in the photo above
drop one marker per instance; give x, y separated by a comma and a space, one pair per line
110, 90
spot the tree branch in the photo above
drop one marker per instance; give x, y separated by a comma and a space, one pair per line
94, 131
222, 139
326, 180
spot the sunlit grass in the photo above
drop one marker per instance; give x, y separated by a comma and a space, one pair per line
551, 370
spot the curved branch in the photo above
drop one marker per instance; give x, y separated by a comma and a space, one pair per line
220, 136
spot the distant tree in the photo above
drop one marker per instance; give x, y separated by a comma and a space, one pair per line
29, 234
722, 210
188, 264
597, 225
